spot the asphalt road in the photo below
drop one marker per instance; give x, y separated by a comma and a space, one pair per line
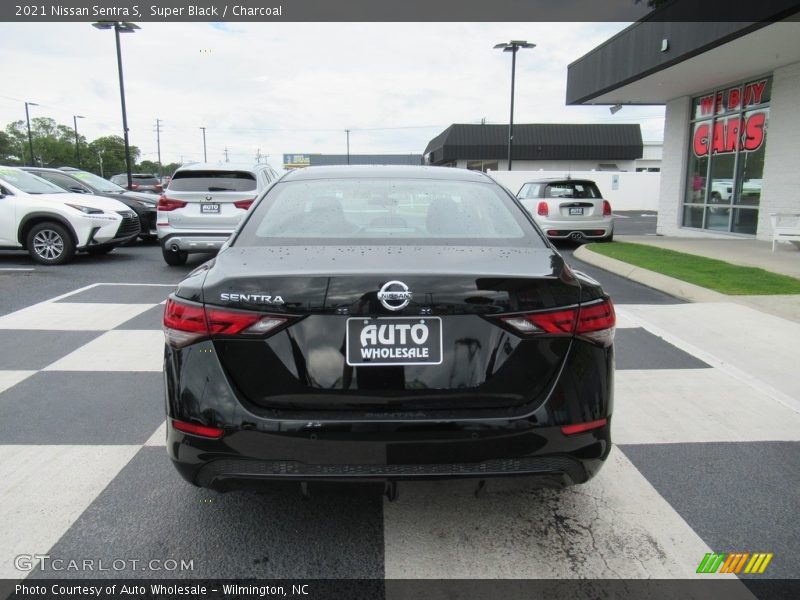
695, 467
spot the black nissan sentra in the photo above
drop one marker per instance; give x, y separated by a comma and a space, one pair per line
387, 323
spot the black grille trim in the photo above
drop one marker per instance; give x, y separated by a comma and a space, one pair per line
279, 469
129, 226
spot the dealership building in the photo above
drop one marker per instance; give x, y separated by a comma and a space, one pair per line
731, 153
543, 146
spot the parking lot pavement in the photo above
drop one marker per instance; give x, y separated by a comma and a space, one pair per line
704, 460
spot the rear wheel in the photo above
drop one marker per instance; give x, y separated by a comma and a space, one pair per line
608, 238
50, 243
174, 258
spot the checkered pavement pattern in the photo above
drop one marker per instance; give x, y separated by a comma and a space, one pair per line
702, 462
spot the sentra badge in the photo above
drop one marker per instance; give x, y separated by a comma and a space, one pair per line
251, 298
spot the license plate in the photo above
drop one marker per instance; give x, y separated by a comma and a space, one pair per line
209, 209
575, 211
394, 341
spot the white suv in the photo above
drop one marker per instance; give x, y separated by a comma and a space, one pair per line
204, 203
52, 224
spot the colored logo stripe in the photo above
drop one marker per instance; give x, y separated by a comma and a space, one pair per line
721, 562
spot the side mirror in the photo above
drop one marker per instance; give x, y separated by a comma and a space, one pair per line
77, 190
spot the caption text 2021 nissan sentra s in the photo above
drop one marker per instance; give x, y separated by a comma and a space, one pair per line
387, 323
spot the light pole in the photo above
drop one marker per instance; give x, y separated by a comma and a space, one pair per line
30, 137
512, 47
205, 156
347, 131
121, 27
77, 144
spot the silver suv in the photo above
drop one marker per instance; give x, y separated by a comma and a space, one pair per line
203, 203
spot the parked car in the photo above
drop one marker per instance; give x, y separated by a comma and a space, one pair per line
83, 182
569, 209
387, 323
140, 182
52, 224
203, 204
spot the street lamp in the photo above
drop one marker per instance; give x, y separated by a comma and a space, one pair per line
77, 149
347, 131
512, 47
30, 137
121, 27
205, 156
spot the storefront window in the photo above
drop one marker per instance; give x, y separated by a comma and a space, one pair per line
726, 159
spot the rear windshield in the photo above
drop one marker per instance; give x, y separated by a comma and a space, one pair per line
213, 181
145, 179
388, 211
571, 190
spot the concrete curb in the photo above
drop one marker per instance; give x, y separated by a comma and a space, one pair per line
664, 283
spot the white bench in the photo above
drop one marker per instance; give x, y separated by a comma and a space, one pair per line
785, 228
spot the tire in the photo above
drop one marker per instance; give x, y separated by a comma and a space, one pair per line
100, 251
50, 243
608, 238
174, 259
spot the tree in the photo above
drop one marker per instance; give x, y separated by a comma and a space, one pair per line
652, 3
148, 166
10, 150
53, 143
112, 150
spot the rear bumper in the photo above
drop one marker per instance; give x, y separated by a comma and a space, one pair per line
548, 456
589, 229
194, 242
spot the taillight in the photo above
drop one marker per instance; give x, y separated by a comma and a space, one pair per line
195, 429
595, 321
542, 209
186, 323
606, 208
134, 186
166, 204
583, 427
244, 204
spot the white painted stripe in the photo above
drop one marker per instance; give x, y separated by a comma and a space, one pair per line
72, 316
45, 490
159, 437
68, 294
615, 526
665, 406
731, 338
118, 350
623, 322
17, 269
11, 378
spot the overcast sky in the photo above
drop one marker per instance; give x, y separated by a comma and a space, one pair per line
295, 87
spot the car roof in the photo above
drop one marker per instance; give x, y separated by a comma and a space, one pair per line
559, 180
47, 170
223, 166
387, 171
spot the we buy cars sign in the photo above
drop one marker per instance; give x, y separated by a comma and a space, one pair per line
737, 132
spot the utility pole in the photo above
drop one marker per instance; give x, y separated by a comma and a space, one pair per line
258, 156
30, 136
158, 145
100, 158
226, 154
347, 131
77, 144
205, 156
